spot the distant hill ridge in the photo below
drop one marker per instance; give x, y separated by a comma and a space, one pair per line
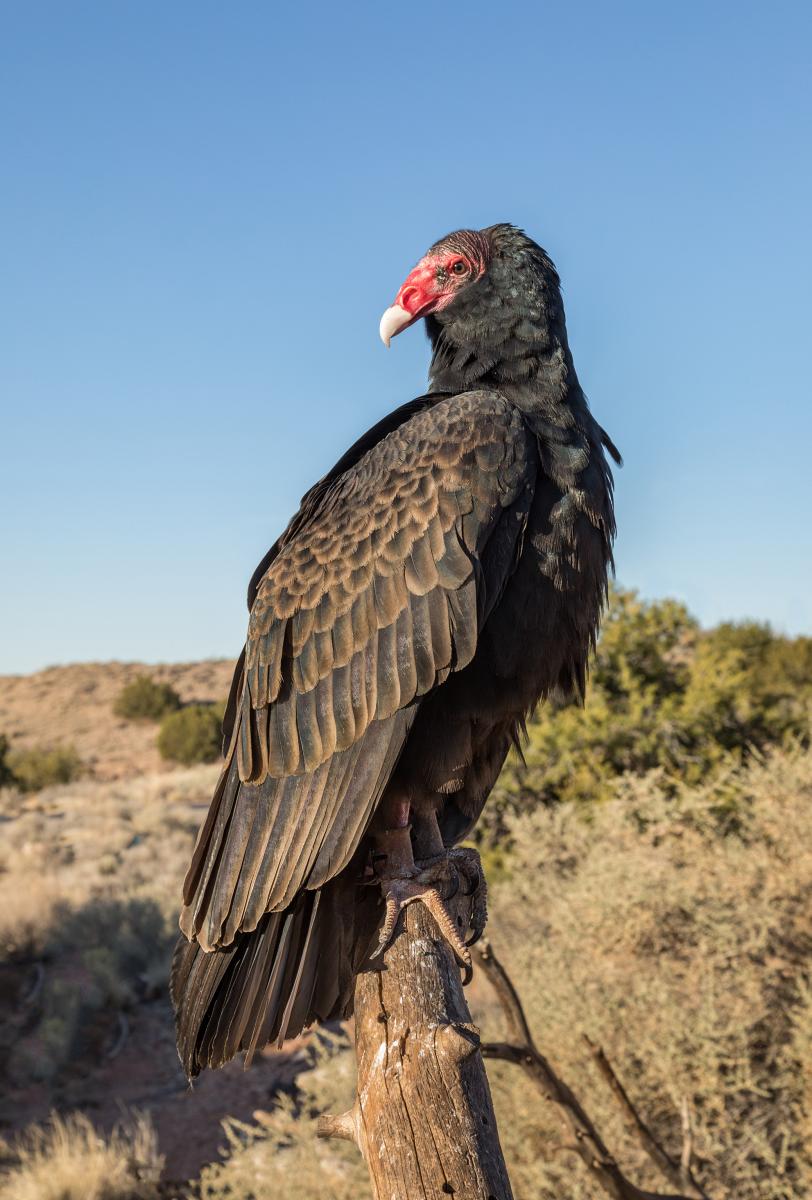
73, 705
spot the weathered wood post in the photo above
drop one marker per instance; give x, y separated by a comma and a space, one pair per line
423, 1117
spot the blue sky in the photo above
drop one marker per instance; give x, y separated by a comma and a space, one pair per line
205, 208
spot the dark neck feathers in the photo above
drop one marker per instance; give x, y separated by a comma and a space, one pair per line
507, 332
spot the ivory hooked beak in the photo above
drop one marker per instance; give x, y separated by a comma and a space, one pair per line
393, 321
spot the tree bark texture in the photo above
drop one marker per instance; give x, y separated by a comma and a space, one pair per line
423, 1116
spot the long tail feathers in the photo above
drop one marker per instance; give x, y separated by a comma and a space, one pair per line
298, 966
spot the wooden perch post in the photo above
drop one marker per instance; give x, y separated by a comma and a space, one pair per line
423, 1117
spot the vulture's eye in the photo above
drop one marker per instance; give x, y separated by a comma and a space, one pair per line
459, 267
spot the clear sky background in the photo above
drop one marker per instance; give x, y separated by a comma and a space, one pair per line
205, 207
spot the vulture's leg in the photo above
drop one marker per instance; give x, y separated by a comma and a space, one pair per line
426, 838
432, 881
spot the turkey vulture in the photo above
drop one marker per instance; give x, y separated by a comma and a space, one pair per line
445, 576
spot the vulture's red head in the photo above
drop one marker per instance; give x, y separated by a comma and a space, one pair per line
449, 267
492, 304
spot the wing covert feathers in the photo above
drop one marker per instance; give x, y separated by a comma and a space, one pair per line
392, 547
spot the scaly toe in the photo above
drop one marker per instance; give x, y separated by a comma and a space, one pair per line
398, 893
437, 907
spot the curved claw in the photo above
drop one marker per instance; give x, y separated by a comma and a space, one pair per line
399, 893
389, 923
424, 885
469, 864
455, 875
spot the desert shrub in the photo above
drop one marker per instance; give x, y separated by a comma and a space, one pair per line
101, 957
78, 947
44, 766
115, 941
193, 735
663, 694
6, 773
68, 1160
146, 700
26, 909
681, 944
678, 942
281, 1149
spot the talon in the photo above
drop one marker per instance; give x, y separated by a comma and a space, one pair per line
471, 890
469, 864
399, 893
455, 876
389, 923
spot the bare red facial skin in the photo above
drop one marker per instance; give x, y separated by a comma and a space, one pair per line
449, 266
435, 281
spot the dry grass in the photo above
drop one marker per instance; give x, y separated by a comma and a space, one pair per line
89, 879
673, 931
70, 844
68, 1160
279, 1154
677, 935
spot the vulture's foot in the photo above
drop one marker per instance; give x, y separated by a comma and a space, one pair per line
426, 885
468, 864
433, 881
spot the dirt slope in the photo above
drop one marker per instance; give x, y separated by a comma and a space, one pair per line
74, 705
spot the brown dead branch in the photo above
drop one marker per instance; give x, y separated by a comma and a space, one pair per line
678, 1173
588, 1144
122, 1033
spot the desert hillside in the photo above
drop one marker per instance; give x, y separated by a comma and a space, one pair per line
650, 872
73, 705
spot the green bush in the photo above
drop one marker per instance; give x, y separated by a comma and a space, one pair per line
44, 766
6, 773
193, 735
663, 694
146, 700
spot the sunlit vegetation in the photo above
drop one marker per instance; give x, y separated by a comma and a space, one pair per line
192, 735
650, 885
144, 699
668, 696
39, 767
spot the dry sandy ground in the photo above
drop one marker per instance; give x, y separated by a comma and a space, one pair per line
79, 851
74, 705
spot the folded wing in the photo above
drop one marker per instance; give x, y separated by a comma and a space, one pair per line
378, 591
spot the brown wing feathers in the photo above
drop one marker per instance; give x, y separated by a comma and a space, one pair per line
341, 640
296, 967
269, 840
329, 646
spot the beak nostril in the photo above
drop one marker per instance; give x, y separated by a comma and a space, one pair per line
406, 297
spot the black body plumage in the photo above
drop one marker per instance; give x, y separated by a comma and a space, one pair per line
448, 574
